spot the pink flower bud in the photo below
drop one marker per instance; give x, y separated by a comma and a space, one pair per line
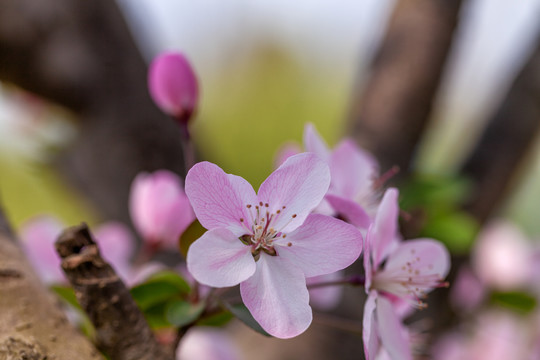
159, 208
173, 85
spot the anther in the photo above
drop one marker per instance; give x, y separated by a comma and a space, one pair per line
241, 219
289, 244
294, 215
248, 206
266, 205
260, 203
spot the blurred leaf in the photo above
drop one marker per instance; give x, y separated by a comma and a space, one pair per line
518, 301
241, 312
67, 294
155, 316
152, 293
433, 192
456, 230
219, 319
170, 277
181, 312
192, 233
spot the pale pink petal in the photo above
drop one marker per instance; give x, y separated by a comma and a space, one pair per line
219, 199
321, 245
502, 256
207, 344
326, 297
38, 236
369, 327
368, 268
117, 246
314, 143
277, 297
285, 152
385, 226
351, 211
172, 84
295, 189
393, 334
421, 257
220, 259
353, 171
159, 207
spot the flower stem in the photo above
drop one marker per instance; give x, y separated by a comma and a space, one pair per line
355, 280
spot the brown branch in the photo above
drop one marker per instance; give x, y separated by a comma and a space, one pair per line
390, 113
122, 332
32, 325
503, 147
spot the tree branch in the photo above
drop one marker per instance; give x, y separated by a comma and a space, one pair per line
122, 331
32, 325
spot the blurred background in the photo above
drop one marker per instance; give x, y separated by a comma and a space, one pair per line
447, 90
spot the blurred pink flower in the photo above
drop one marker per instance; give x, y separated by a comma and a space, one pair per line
173, 85
207, 344
38, 236
398, 275
503, 257
159, 208
268, 242
40, 233
467, 290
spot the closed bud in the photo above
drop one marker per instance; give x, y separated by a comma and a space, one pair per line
173, 85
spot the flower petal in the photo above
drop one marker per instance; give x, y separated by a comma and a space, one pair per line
277, 297
350, 210
353, 171
322, 245
285, 152
117, 245
220, 259
393, 334
299, 185
385, 226
369, 327
314, 143
420, 256
219, 199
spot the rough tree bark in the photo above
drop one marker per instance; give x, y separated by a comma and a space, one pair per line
389, 114
32, 325
81, 55
121, 329
507, 140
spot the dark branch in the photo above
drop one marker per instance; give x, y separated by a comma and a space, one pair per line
122, 332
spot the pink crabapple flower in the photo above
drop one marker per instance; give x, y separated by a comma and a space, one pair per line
159, 208
40, 233
502, 256
354, 172
268, 242
398, 274
173, 85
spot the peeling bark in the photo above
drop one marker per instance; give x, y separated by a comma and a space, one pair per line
121, 329
32, 324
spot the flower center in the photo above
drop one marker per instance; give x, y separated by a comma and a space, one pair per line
411, 281
261, 233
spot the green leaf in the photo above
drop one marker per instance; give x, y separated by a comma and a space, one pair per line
149, 294
155, 316
241, 312
188, 237
180, 312
518, 301
456, 230
219, 319
160, 288
67, 294
170, 277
